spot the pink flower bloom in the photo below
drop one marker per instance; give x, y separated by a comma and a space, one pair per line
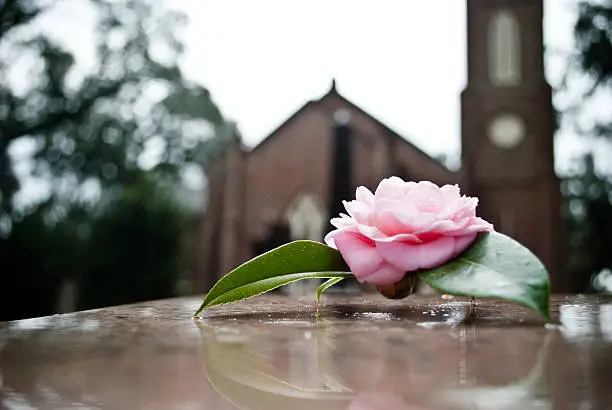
403, 227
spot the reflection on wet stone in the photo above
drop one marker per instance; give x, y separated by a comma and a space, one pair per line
605, 322
274, 352
578, 322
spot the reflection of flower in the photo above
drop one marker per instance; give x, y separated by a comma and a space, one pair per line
380, 401
241, 367
402, 227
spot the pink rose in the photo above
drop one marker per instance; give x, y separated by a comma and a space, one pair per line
403, 227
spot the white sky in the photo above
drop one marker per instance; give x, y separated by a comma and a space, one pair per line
404, 61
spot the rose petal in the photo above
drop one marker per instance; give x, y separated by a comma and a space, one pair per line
466, 208
365, 196
395, 217
437, 253
386, 221
403, 256
358, 252
402, 237
358, 210
450, 193
376, 235
386, 274
330, 237
343, 221
393, 187
418, 220
446, 227
478, 225
426, 196
361, 256
452, 200
424, 256
371, 232
462, 243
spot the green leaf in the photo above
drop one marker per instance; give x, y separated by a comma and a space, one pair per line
266, 285
288, 263
326, 285
495, 266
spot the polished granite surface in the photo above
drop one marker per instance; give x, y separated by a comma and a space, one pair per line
353, 352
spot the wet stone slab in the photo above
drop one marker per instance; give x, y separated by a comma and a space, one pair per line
350, 352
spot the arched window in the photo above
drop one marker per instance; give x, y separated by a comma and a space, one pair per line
504, 49
306, 219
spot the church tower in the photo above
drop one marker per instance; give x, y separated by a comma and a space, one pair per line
508, 126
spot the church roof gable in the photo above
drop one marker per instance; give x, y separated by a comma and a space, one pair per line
385, 128
333, 93
283, 125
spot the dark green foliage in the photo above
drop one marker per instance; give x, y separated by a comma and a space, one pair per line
125, 246
588, 208
498, 267
587, 193
28, 287
593, 34
593, 57
132, 253
101, 129
126, 251
36, 257
297, 260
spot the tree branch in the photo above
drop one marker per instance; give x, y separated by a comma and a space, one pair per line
55, 119
13, 14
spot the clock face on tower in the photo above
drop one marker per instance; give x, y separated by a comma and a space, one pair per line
506, 131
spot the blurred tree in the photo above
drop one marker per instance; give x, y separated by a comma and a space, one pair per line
588, 193
99, 124
593, 35
588, 206
124, 263
111, 143
37, 256
593, 41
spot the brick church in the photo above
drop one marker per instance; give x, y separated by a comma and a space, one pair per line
289, 185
